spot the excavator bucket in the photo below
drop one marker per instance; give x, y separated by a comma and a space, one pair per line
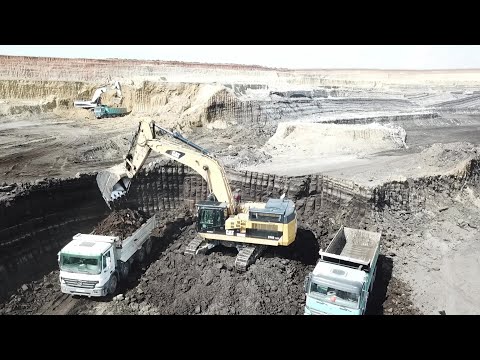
113, 183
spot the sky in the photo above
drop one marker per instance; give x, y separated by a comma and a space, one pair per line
411, 57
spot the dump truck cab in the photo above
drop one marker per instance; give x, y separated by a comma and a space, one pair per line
86, 264
92, 265
336, 290
344, 275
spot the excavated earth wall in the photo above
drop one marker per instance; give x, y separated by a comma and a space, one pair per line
181, 104
39, 221
42, 218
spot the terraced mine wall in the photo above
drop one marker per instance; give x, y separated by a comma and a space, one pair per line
226, 107
413, 194
40, 220
49, 95
190, 104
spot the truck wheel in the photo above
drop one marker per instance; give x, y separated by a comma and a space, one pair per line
141, 254
112, 284
148, 246
124, 269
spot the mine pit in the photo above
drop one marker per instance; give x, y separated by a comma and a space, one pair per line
371, 150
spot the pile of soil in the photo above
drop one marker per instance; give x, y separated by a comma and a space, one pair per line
398, 299
448, 155
121, 223
209, 284
316, 139
174, 283
31, 297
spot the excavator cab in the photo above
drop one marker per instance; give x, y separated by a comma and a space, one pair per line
211, 216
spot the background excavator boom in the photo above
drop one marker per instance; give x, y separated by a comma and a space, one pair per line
96, 98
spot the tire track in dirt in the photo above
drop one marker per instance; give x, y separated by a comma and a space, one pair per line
61, 305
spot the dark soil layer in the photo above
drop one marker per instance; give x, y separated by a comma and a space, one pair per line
121, 223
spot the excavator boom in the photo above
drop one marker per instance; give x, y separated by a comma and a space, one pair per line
115, 181
221, 220
90, 104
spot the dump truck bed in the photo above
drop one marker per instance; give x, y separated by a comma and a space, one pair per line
354, 245
105, 111
129, 246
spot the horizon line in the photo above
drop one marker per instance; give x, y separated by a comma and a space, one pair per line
263, 67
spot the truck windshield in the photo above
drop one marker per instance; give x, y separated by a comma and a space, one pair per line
80, 264
334, 296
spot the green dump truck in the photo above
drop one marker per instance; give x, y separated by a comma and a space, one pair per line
104, 111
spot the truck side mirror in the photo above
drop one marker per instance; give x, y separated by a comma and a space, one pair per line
306, 283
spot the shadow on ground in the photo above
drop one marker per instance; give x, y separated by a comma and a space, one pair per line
379, 292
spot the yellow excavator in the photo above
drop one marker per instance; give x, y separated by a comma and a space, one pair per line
221, 219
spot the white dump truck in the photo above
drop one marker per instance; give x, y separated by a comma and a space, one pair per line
92, 265
344, 275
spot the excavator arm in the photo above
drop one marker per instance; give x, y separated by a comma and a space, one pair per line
96, 98
98, 93
115, 182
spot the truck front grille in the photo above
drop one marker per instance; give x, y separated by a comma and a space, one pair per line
316, 312
84, 284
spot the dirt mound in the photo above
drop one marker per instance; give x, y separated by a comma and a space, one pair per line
210, 285
398, 299
174, 283
180, 284
31, 297
315, 139
446, 155
122, 223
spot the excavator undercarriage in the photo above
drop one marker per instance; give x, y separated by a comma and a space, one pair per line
247, 254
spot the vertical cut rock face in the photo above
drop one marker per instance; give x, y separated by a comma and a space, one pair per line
38, 222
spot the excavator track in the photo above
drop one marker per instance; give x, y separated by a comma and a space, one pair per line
193, 246
198, 246
247, 256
